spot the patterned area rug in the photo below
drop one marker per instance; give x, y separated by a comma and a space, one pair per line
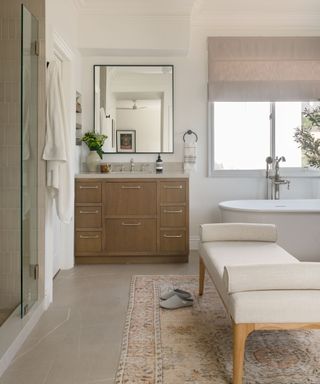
194, 344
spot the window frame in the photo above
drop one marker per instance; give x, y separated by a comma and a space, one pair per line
293, 172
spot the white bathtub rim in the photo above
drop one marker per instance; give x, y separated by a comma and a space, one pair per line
273, 206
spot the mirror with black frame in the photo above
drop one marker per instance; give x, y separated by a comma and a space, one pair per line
133, 106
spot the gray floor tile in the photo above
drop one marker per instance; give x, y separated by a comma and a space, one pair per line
78, 339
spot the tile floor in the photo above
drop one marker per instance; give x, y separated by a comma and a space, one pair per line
78, 339
4, 314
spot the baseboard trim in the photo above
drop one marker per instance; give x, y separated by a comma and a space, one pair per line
15, 331
194, 242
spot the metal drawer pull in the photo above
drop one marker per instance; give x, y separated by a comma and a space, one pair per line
131, 224
173, 187
89, 237
89, 187
179, 211
173, 236
131, 187
89, 212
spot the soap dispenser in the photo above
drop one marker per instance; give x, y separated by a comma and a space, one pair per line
159, 164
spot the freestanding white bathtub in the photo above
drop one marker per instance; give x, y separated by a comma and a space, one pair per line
297, 221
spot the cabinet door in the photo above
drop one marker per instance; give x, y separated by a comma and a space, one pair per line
173, 241
173, 216
88, 217
88, 192
173, 192
130, 236
130, 199
88, 241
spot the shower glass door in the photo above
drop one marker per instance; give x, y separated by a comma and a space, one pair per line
29, 160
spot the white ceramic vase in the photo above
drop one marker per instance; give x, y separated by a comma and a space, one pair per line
93, 160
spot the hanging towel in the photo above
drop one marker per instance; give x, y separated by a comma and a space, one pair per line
190, 156
103, 121
58, 146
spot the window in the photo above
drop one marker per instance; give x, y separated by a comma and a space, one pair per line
245, 133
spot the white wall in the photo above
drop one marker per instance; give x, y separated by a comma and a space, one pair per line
109, 34
146, 124
61, 37
191, 113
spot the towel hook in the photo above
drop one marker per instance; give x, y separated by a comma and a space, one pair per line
189, 132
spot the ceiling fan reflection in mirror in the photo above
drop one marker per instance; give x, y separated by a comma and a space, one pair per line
134, 107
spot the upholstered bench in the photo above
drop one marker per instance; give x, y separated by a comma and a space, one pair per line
261, 285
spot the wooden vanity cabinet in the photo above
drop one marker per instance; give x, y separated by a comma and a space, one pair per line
131, 236
174, 217
132, 220
134, 198
130, 212
88, 218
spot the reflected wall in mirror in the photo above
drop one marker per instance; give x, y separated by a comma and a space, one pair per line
135, 98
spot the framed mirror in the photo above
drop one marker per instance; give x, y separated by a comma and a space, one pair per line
134, 103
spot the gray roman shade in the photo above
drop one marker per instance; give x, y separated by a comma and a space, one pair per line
264, 68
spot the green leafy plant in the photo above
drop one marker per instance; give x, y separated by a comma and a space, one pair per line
94, 142
303, 135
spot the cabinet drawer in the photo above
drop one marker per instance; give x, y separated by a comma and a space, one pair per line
88, 241
173, 216
130, 199
88, 217
173, 192
88, 192
173, 241
130, 235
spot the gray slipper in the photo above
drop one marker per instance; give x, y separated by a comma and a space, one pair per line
178, 292
175, 302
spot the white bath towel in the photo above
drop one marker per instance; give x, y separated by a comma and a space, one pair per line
190, 156
58, 146
103, 121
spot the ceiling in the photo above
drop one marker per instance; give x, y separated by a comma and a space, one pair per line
163, 27
136, 7
207, 8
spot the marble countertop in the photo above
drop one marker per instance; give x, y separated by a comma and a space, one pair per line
132, 175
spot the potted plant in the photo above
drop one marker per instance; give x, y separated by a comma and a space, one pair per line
305, 136
95, 143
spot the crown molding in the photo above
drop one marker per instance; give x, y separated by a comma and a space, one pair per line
135, 8
133, 52
142, 18
61, 47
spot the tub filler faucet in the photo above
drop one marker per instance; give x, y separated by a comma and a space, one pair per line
275, 179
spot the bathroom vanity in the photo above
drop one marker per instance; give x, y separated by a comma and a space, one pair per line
131, 218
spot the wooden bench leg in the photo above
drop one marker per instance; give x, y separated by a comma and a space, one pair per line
240, 334
202, 272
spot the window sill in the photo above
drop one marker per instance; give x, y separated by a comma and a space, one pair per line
295, 173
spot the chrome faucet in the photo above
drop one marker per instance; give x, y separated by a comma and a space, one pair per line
131, 165
277, 167
276, 180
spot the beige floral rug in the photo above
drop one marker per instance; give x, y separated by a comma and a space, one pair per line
194, 344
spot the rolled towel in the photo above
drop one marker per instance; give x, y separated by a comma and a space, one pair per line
238, 232
190, 156
259, 277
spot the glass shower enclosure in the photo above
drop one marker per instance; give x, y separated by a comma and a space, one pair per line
18, 164
29, 160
